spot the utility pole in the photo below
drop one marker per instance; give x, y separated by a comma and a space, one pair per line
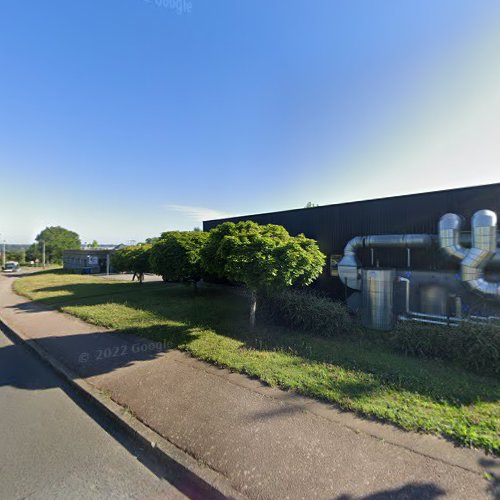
43, 254
3, 254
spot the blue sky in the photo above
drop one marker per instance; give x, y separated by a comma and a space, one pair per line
124, 118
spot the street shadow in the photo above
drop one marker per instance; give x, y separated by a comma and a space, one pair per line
183, 311
86, 355
283, 411
21, 368
31, 307
492, 470
412, 491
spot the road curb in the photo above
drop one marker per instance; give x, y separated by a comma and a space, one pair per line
192, 478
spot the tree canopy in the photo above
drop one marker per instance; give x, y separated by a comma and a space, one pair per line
261, 257
132, 259
176, 256
56, 240
212, 261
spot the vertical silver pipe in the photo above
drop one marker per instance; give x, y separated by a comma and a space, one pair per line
449, 229
458, 306
406, 281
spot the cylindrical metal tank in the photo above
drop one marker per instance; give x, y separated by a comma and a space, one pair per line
377, 298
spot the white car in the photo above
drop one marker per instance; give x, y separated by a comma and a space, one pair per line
11, 267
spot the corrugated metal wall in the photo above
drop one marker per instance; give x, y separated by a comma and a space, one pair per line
334, 225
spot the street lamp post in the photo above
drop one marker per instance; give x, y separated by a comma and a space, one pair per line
43, 254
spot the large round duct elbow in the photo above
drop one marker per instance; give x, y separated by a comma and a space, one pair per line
353, 245
484, 244
487, 288
349, 271
484, 231
449, 229
349, 265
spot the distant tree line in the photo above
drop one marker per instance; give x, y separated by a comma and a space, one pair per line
56, 240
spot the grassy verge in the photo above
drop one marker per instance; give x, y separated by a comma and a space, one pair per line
357, 374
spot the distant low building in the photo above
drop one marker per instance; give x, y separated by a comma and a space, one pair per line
111, 246
89, 261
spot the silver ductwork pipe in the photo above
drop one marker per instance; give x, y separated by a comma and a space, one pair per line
349, 266
475, 252
449, 229
466, 240
455, 243
483, 251
398, 241
438, 318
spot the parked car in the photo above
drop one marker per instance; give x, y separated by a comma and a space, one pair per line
11, 267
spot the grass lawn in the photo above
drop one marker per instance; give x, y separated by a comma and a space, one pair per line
358, 375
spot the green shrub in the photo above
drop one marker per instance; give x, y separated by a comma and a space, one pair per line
133, 259
176, 255
308, 311
476, 347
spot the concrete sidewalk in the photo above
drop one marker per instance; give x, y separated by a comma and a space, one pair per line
267, 443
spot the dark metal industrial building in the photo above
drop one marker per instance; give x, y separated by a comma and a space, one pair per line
333, 226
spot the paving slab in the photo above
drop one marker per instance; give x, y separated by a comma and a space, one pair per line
268, 443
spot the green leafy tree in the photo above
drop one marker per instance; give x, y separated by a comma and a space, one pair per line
16, 255
176, 256
212, 260
32, 253
133, 259
159, 258
57, 239
94, 244
262, 257
120, 260
141, 261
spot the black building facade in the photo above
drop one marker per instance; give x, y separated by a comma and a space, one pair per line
332, 226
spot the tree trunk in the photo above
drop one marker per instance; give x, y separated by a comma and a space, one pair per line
141, 278
253, 308
133, 277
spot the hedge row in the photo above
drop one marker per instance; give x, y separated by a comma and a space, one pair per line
474, 347
308, 311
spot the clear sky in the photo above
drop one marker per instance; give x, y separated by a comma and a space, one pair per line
120, 119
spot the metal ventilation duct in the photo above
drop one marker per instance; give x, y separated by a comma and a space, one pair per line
349, 266
449, 230
483, 249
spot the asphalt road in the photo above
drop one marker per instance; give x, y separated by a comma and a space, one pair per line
53, 444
